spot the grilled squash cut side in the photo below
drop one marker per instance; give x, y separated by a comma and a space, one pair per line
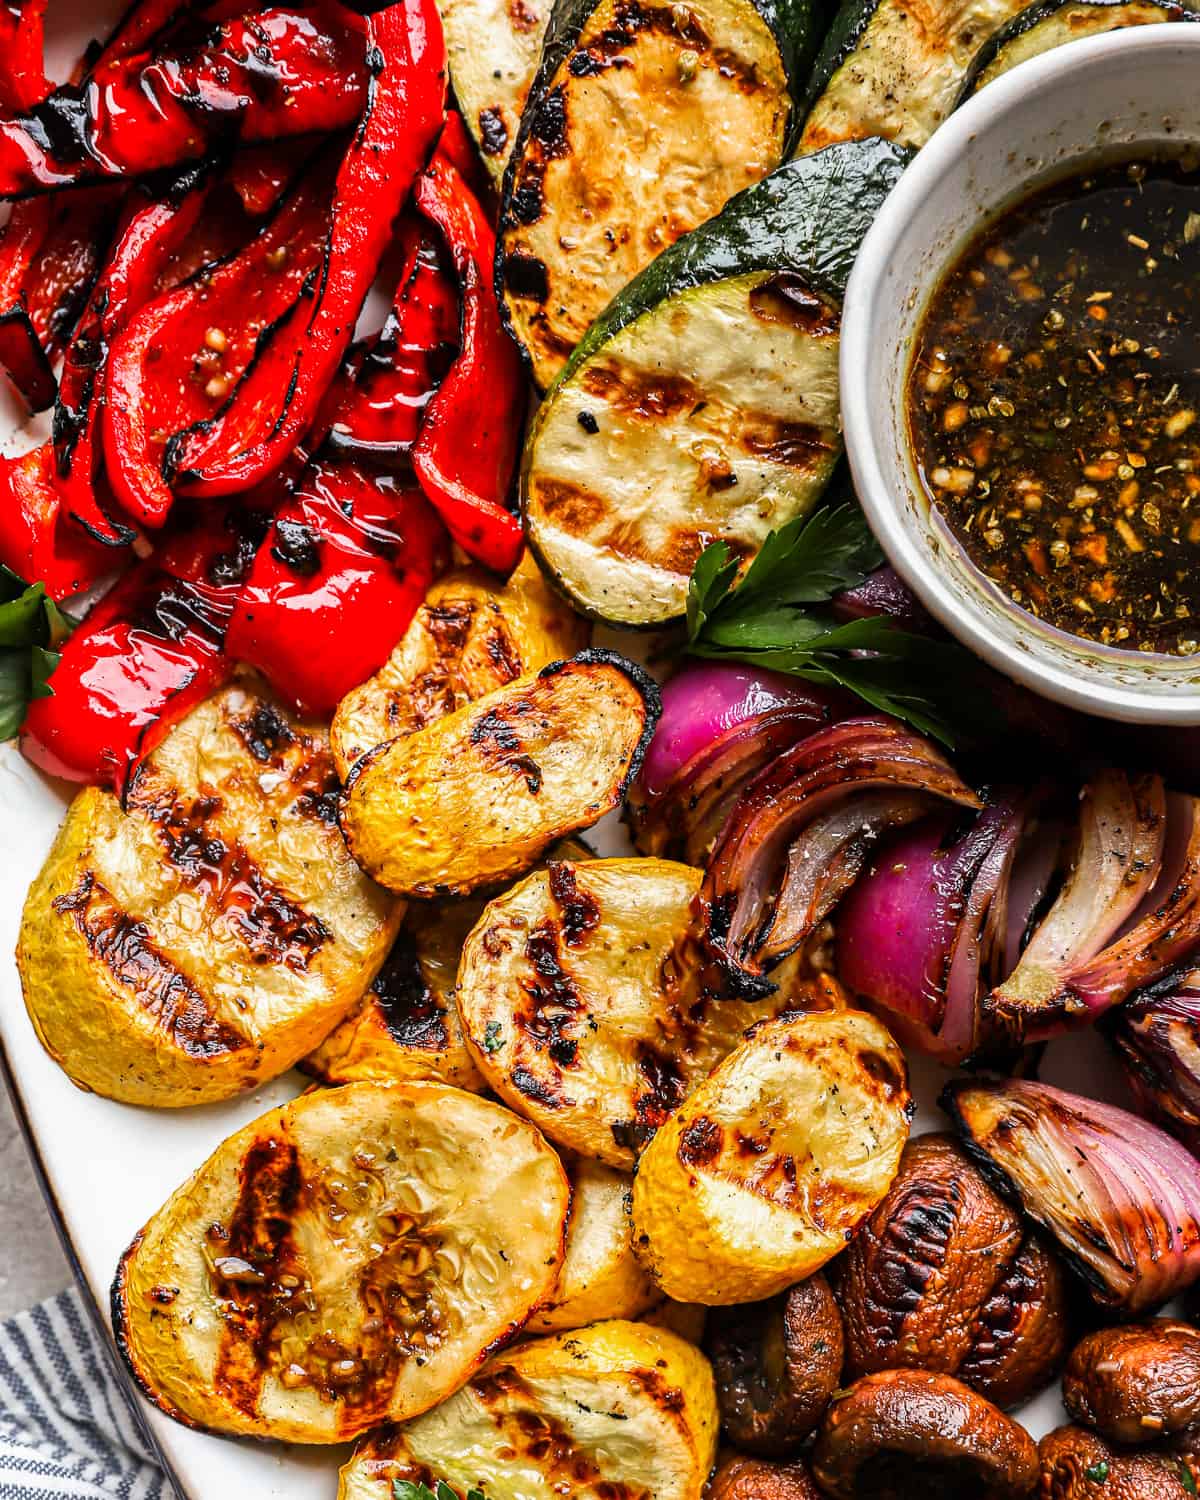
601, 1277
889, 69
477, 797
469, 637
211, 933
346, 1260
703, 405
1051, 23
617, 1411
493, 47
580, 994
774, 1160
642, 122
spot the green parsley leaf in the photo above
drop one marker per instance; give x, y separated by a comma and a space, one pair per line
1097, 1472
1186, 1477
31, 626
493, 1037
773, 619
405, 1489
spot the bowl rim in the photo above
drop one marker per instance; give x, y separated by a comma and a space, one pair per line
983, 628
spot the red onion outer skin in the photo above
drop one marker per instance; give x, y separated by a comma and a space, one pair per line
1156, 1035
702, 701
1120, 1196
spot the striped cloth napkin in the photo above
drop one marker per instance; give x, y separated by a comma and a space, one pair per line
68, 1430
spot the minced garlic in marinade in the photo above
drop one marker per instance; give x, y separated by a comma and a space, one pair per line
1054, 404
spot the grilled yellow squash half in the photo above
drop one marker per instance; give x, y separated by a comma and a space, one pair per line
469, 637
617, 1411
213, 931
492, 47
774, 1160
601, 1277
579, 991
476, 798
346, 1260
407, 1025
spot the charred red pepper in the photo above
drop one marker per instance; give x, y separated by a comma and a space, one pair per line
277, 402
180, 358
340, 574
37, 540
263, 76
148, 652
466, 453
23, 81
50, 253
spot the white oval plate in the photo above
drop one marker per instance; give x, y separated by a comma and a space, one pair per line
107, 1167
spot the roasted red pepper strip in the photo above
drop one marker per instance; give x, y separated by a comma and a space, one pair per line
341, 573
272, 74
36, 540
23, 81
277, 402
50, 253
376, 410
147, 653
182, 354
466, 453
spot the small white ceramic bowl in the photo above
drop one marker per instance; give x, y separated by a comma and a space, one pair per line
1046, 118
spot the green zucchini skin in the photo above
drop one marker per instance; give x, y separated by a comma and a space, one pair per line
807, 218
1044, 13
842, 36
560, 188
704, 412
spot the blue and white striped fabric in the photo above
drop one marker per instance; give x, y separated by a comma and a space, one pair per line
67, 1430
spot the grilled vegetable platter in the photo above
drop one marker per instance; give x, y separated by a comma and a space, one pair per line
540, 970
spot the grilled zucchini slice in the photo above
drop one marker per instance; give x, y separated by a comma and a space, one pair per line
642, 122
617, 1409
469, 637
703, 404
493, 47
580, 994
893, 69
1050, 23
601, 1277
774, 1160
348, 1259
475, 798
213, 931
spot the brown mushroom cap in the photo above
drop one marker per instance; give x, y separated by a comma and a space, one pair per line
742, 1478
1137, 1383
944, 1277
776, 1364
1079, 1465
914, 1435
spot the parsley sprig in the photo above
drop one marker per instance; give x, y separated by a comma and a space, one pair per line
405, 1489
31, 626
773, 618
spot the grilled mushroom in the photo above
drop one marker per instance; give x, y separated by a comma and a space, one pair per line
1077, 1464
905, 1433
944, 1276
776, 1363
742, 1478
1137, 1383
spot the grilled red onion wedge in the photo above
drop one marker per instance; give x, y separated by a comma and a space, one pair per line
1057, 981
1157, 1037
799, 836
1121, 1197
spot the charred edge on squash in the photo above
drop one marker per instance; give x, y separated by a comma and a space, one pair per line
123, 1340
648, 690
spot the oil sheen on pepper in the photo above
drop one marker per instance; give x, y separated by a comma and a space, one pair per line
1054, 404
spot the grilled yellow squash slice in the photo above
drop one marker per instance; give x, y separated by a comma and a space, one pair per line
601, 1277
774, 1159
477, 797
211, 933
469, 637
579, 991
617, 1411
640, 124
493, 47
346, 1260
